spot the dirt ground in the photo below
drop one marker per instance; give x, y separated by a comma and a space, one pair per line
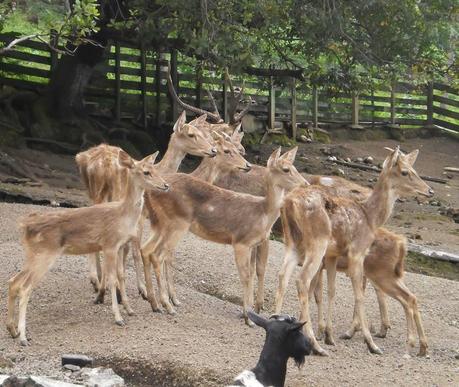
206, 344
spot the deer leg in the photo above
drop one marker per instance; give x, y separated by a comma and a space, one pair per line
148, 281
135, 243
121, 274
95, 271
261, 262
355, 325
169, 267
110, 271
317, 284
290, 261
15, 285
242, 255
356, 274
385, 324
303, 284
158, 261
331, 280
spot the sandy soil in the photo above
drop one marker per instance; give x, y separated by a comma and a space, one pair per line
206, 344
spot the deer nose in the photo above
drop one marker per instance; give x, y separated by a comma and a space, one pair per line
213, 151
431, 192
248, 166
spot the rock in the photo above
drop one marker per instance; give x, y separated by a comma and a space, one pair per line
359, 160
331, 158
368, 160
406, 356
347, 159
326, 151
78, 360
54, 203
5, 362
101, 377
72, 367
32, 381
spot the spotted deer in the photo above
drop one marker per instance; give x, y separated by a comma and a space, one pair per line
105, 227
106, 181
217, 215
320, 226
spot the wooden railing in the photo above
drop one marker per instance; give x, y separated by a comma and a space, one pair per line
132, 83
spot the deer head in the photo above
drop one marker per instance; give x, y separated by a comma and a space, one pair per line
143, 172
190, 139
404, 180
282, 171
228, 155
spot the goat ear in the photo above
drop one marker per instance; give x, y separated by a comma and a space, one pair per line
296, 326
200, 120
290, 155
411, 157
274, 157
151, 158
125, 160
180, 122
257, 319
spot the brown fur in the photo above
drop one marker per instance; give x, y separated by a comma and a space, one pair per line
346, 228
103, 227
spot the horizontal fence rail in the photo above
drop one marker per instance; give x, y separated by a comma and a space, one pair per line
131, 82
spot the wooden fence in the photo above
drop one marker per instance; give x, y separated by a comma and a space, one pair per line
131, 83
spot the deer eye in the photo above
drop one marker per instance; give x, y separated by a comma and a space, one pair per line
146, 173
286, 169
404, 173
226, 151
191, 135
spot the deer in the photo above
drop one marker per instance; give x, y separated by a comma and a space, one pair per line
236, 98
105, 227
319, 226
106, 181
217, 215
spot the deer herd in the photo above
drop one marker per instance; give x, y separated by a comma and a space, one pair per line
328, 224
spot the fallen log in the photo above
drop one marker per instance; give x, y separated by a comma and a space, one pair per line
451, 169
435, 254
374, 168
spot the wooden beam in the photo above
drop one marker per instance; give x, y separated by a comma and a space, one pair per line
225, 98
355, 112
175, 83
143, 87
293, 107
315, 107
430, 104
298, 74
198, 85
117, 82
272, 104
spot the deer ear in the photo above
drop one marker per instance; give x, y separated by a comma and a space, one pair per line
124, 160
411, 157
238, 134
180, 122
257, 319
216, 136
392, 159
151, 158
290, 155
200, 120
274, 157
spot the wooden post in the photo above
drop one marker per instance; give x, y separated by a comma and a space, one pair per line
372, 108
175, 83
355, 112
117, 82
198, 84
53, 42
294, 107
143, 85
272, 104
393, 117
225, 99
315, 107
158, 89
430, 95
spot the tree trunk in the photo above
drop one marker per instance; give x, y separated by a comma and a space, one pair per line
68, 82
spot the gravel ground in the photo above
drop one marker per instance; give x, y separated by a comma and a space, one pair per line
206, 344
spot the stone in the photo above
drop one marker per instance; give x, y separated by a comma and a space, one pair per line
32, 381
78, 360
406, 356
368, 160
71, 367
359, 160
331, 158
347, 159
101, 377
5, 362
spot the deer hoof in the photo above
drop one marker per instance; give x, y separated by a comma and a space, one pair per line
320, 352
143, 294
346, 336
422, 351
95, 285
175, 301
381, 335
375, 350
99, 300
25, 343
329, 340
13, 331
120, 323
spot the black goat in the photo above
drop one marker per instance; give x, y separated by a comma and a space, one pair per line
284, 339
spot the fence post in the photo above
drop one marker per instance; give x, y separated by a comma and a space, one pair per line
198, 84
117, 82
143, 83
158, 89
355, 112
175, 83
393, 116
272, 104
293, 106
430, 101
53, 42
225, 99
315, 107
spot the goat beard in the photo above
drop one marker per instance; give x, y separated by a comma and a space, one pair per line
299, 360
